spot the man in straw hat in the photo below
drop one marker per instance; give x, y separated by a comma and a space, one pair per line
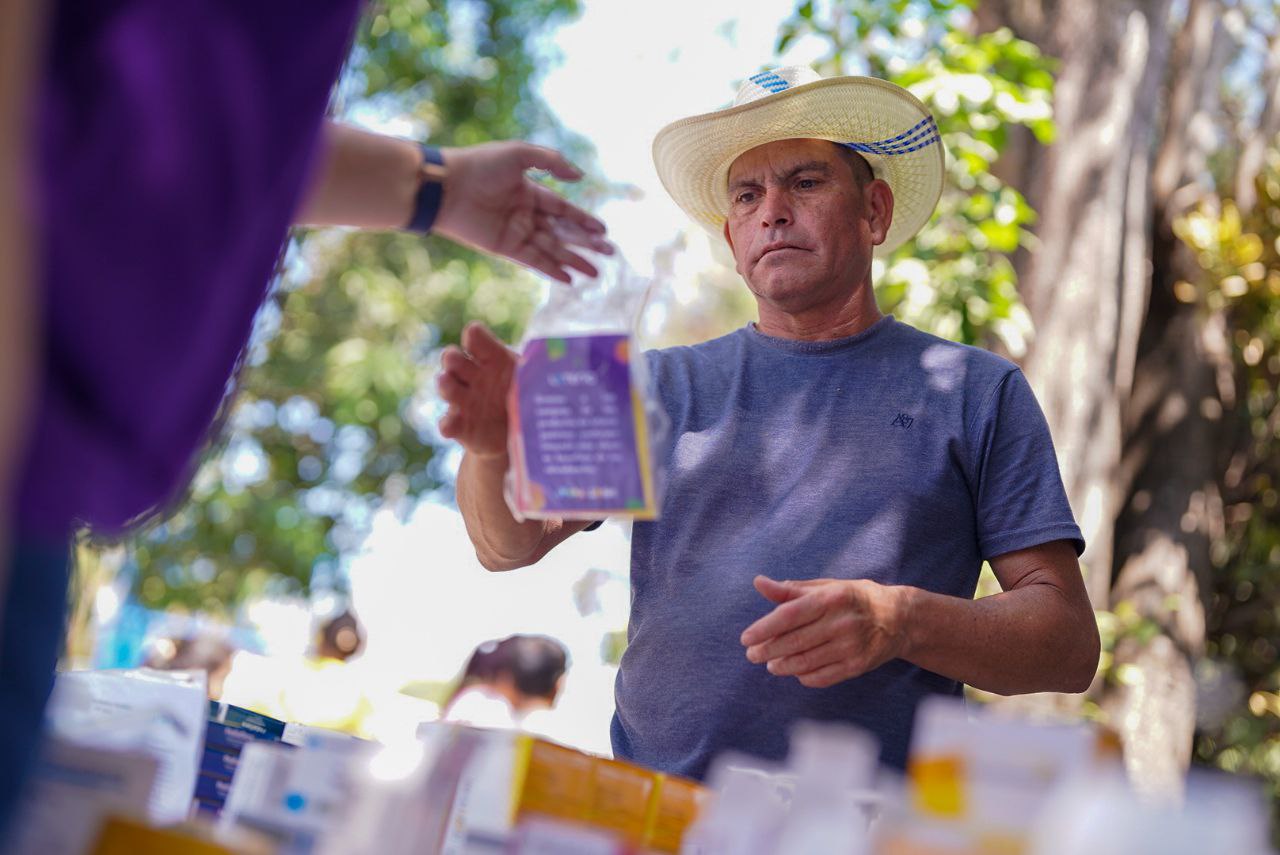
836, 478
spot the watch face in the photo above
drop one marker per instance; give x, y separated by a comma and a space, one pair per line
433, 168
434, 172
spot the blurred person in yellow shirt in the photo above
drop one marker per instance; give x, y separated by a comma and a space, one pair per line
327, 689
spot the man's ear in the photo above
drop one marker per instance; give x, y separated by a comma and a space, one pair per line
729, 240
878, 198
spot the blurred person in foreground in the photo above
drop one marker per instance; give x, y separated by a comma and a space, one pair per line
512, 683
153, 156
836, 478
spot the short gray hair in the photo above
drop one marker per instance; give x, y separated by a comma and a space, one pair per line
862, 171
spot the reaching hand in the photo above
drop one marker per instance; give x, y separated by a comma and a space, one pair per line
474, 382
825, 631
490, 204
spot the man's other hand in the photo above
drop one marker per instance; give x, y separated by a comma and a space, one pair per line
474, 381
491, 204
825, 631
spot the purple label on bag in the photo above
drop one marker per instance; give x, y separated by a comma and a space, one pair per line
577, 422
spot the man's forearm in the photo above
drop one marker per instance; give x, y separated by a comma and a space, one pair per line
362, 179
1029, 639
502, 543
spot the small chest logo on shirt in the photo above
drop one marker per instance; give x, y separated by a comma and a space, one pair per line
903, 421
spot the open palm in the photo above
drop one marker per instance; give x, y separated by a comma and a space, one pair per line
491, 204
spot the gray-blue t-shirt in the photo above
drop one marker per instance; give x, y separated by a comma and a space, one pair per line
891, 455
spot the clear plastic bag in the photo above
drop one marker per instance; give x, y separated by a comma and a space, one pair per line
585, 432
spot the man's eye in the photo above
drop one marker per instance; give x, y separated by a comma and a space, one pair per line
746, 197
807, 183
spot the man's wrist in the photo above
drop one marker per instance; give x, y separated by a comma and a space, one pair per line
499, 461
904, 600
455, 163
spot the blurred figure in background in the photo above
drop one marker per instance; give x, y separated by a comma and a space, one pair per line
478, 699
326, 689
200, 653
341, 638
512, 683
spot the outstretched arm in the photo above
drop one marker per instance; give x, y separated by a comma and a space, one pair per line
371, 181
1038, 635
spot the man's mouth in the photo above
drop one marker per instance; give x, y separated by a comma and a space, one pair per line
778, 247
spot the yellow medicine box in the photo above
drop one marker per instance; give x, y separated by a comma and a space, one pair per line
516, 775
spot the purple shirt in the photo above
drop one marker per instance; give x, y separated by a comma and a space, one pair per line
174, 141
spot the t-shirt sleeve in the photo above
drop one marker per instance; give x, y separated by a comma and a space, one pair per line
1020, 501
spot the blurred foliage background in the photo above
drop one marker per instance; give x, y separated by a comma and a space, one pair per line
956, 278
333, 413
1177, 102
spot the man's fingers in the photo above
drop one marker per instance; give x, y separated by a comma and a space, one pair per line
808, 661
790, 643
826, 676
451, 388
575, 224
539, 157
775, 591
533, 256
485, 348
450, 424
457, 363
785, 618
544, 240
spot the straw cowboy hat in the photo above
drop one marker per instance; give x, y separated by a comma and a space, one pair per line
884, 123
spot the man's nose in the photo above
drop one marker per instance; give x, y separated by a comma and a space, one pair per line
776, 210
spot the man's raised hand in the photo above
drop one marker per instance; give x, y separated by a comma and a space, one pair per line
474, 381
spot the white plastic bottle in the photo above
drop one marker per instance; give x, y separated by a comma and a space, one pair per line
834, 768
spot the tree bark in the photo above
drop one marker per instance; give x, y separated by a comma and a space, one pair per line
1163, 535
1086, 286
1172, 427
1253, 153
1126, 372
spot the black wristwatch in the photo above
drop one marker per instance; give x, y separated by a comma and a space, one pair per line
426, 204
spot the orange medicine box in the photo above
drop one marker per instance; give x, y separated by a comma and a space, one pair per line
516, 775
622, 799
675, 807
557, 781
124, 836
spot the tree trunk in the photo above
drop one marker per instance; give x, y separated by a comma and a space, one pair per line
1172, 425
1086, 286
1164, 533
1124, 370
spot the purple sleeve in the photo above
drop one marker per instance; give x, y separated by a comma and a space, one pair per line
174, 142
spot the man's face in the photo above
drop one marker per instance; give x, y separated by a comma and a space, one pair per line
802, 224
